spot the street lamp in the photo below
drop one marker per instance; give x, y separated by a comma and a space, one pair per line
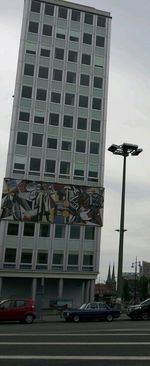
123, 150
135, 266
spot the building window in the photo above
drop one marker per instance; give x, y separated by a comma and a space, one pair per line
66, 145
26, 92
86, 59
89, 233
41, 94
82, 123
49, 9
59, 231
92, 176
38, 119
42, 257
54, 119
87, 38
35, 6
10, 255
59, 53
72, 56
50, 166
58, 258
98, 82
68, 121
83, 101
37, 139
57, 75
62, 12
101, 21
88, 18
47, 30
33, 27
29, 69
52, 143
84, 79
26, 256
24, 116
95, 125
100, 41
28, 229
73, 259
43, 72
35, 164
69, 99
99, 61
45, 52
71, 77
94, 147
75, 15
80, 146
88, 259
55, 97
74, 36
12, 229
44, 230
64, 167
22, 138
78, 173
61, 33
74, 232
96, 104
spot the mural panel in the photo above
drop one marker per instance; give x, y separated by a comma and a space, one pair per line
33, 201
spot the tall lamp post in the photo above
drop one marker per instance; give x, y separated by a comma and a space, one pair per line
123, 150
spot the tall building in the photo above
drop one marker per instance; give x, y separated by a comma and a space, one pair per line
52, 202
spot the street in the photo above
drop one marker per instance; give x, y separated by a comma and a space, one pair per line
56, 343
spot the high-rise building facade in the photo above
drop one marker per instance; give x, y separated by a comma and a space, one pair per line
57, 137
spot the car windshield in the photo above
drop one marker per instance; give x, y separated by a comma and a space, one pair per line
145, 302
2, 302
83, 306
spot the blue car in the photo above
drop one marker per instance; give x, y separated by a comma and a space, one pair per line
91, 311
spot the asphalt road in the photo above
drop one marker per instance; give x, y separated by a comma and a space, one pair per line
56, 343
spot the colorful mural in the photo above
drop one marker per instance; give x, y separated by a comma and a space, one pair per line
24, 200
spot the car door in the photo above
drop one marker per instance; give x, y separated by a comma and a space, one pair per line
6, 312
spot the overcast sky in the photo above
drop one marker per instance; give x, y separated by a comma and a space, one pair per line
128, 120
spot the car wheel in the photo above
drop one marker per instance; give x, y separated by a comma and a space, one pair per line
145, 315
76, 318
109, 318
29, 319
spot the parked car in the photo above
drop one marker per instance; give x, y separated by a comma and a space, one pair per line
91, 311
140, 311
22, 310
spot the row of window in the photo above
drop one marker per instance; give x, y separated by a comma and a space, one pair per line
43, 73
52, 143
63, 13
50, 169
41, 94
72, 56
47, 31
42, 257
67, 121
44, 231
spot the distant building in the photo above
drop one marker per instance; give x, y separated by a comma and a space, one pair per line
145, 269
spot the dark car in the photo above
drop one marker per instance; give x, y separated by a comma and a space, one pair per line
91, 311
140, 311
22, 310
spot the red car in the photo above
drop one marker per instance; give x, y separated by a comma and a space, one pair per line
22, 310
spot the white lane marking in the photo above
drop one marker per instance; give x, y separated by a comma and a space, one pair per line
35, 357
74, 343
72, 334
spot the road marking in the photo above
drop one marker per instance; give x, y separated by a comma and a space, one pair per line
91, 358
72, 334
74, 343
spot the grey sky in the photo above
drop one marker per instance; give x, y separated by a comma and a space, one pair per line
128, 119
